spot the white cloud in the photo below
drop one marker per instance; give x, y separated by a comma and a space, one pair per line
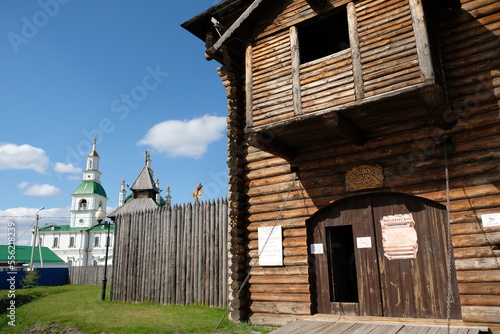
44, 190
66, 168
23, 157
24, 219
185, 138
23, 185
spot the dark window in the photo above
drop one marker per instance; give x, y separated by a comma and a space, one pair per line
96, 242
56, 243
342, 264
323, 38
72, 242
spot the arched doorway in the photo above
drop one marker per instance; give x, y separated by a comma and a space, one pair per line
381, 254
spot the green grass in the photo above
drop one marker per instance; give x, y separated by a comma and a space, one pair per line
78, 309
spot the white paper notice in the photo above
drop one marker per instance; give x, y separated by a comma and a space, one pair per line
270, 246
364, 242
491, 220
317, 249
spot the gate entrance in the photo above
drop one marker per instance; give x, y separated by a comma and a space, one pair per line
381, 254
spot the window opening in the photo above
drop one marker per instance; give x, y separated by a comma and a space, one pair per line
323, 38
96, 242
342, 264
72, 242
56, 243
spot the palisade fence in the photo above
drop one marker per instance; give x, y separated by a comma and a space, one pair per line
176, 255
90, 275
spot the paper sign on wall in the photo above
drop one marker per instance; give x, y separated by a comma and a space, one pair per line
270, 246
317, 249
491, 219
364, 242
399, 237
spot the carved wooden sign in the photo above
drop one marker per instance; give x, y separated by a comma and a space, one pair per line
399, 237
364, 177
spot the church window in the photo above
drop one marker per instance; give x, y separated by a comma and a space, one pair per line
72, 242
55, 244
96, 242
83, 204
325, 37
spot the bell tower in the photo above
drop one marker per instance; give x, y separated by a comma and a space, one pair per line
89, 195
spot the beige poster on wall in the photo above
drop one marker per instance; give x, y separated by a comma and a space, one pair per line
399, 237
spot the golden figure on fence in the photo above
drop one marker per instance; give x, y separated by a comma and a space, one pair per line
197, 192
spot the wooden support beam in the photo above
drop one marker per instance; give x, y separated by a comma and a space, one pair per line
266, 141
343, 128
249, 85
422, 41
357, 71
434, 99
317, 4
296, 87
229, 32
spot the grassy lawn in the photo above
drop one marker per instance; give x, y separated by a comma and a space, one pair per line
78, 309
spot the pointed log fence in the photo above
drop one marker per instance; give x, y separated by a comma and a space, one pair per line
176, 255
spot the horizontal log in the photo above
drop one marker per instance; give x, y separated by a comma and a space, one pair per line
485, 314
475, 252
281, 307
293, 270
479, 276
482, 239
265, 319
484, 288
281, 297
279, 288
480, 300
477, 264
285, 223
279, 279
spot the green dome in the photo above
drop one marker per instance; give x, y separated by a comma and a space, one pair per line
88, 188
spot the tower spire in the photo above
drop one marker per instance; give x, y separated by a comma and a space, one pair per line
123, 193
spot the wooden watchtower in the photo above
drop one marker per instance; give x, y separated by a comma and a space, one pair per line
347, 114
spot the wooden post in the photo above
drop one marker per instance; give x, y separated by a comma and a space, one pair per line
296, 91
249, 85
357, 71
422, 41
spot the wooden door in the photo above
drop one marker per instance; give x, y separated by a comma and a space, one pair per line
391, 286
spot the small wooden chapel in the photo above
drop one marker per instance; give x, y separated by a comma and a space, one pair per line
363, 155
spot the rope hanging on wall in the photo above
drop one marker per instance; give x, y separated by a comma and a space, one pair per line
448, 147
255, 263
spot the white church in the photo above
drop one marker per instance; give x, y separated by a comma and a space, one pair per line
83, 241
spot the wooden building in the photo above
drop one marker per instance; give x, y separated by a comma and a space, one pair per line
367, 133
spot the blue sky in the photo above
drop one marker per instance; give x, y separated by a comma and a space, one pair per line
121, 69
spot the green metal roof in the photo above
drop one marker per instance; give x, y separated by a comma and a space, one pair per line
68, 228
90, 187
23, 254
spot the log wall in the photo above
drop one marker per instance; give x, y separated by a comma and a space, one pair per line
89, 275
173, 255
410, 153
